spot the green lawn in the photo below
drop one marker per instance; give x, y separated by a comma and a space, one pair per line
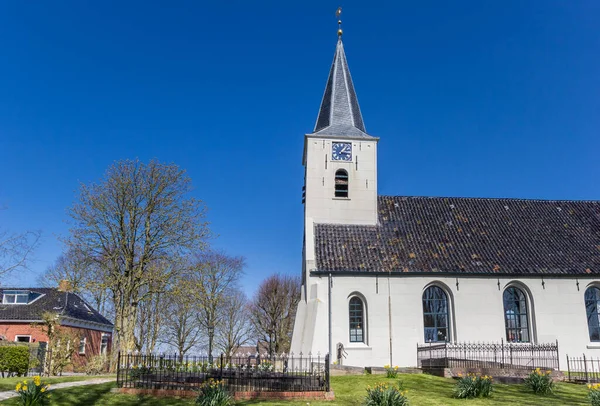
9, 383
423, 390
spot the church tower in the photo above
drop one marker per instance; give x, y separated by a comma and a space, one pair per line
340, 158
340, 186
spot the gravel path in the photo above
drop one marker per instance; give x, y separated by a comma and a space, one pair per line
11, 393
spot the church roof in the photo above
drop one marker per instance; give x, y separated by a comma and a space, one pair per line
339, 114
467, 236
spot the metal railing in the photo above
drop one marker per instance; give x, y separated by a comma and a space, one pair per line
488, 355
241, 373
584, 369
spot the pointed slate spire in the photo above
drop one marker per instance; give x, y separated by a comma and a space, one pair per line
340, 114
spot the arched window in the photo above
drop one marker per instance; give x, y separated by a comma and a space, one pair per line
435, 314
516, 318
357, 320
341, 183
592, 308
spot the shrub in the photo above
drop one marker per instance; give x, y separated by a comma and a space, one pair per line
594, 394
213, 393
473, 386
391, 372
384, 394
540, 382
33, 393
96, 365
14, 360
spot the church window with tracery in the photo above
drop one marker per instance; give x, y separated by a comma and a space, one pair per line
357, 320
592, 309
516, 317
435, 314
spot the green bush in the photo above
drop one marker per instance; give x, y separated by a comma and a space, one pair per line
33, 392
384, 394
14, 360
473, 386
540, 382
213, 393
594, 394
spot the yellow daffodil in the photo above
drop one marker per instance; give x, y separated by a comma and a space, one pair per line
18, 388
24, 387
37, 380
43, 390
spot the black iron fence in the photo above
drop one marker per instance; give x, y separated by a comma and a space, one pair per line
240, 373
488, 355
584, 369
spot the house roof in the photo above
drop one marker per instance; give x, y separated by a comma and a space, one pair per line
467, 235
51, 300
340, 114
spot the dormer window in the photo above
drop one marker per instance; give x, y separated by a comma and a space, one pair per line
341, 183
15, 297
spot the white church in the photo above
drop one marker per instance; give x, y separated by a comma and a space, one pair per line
382, 274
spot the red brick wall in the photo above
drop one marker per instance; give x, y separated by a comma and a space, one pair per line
92, 347
10, 330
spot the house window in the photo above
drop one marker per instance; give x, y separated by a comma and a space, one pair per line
516, 318
357, 320
341, 183
435, 314
104, 344
82, 345
23, 339
592, 309
15, 297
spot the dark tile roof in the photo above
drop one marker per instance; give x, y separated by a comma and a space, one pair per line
52, 300
340, 114
467, 235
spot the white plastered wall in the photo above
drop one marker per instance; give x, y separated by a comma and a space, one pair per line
556, 312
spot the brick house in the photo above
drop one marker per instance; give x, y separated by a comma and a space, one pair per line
22, 308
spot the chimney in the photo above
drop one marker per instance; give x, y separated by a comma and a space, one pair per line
64, 286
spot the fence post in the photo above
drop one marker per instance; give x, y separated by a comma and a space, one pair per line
585, 368
568, 369
502, 347
327, 373
446, 355
221, 373
557, 357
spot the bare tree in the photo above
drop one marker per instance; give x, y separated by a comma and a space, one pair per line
67, 267
273, 311
84, 278
182, 328
235, 328
215, 274
137, 216
16, 250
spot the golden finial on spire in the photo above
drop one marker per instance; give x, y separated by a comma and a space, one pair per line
337, 14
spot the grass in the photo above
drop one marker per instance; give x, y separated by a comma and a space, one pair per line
9, 383
423, 390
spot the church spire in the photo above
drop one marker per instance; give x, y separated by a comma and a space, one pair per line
339, 114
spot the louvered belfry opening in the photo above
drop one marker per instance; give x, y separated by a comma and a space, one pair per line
341, 183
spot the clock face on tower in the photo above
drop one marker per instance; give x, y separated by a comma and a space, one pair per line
341, 151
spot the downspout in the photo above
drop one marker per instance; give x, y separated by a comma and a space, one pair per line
390, 317
329, 284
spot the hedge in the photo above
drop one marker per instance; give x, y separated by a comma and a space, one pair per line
14, 360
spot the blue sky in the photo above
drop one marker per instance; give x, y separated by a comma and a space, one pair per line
488, 99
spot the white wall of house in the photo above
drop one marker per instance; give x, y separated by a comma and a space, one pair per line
556, 312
